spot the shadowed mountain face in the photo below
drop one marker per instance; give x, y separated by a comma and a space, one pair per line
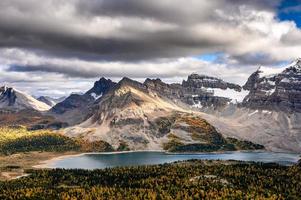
101, 87
51, 101
78, 107
78, 101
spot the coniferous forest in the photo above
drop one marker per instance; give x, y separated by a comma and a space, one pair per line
182, 180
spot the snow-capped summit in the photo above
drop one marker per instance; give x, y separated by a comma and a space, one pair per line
294, 67
275, 88
13, 99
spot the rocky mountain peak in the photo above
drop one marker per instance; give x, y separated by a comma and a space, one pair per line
101, 87
280, 89
155, 84
127, 82
294, 67
298, 62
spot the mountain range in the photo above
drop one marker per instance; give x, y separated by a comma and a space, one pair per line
201, 110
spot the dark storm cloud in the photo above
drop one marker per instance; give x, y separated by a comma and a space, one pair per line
167, 10
147, 46
58, 28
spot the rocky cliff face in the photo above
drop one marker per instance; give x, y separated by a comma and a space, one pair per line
168, 90
202, 81
281, 91
198, 91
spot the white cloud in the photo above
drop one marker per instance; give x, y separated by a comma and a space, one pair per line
45, 44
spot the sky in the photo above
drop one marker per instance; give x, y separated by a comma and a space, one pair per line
56, 47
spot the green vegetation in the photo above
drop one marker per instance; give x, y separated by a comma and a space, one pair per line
123, 146
94, 146
175, 145
200, 129
182, 180
172, 144
244, 145
19, 139
205, 137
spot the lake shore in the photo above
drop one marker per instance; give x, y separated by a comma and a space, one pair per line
241, 155
13, 166
46, 164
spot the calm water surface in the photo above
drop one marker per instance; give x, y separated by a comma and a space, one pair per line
104, 160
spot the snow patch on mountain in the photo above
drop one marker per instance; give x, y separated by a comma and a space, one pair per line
235, 96
269, 71
95, 96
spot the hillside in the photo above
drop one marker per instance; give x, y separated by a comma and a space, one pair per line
19, 139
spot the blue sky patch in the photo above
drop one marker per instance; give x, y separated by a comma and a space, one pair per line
290, 10
209, 57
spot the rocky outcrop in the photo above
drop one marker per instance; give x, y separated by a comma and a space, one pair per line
280, 92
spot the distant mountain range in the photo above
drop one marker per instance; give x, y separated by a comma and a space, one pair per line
51, 101
149, 115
